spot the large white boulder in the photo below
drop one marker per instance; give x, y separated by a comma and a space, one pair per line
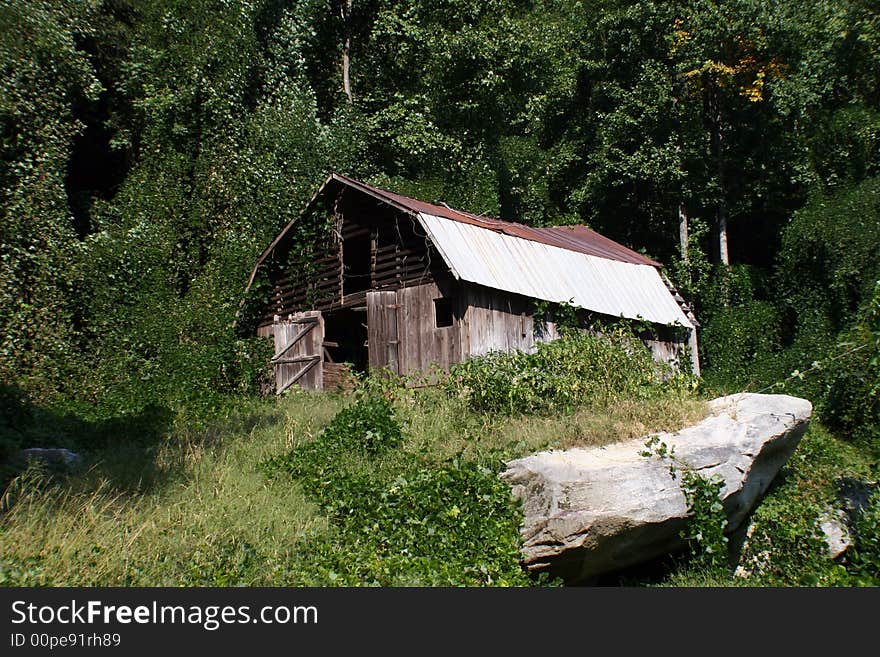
597, 510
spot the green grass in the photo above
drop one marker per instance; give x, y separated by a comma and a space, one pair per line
196, 511
442, 428
197, 507
384, 485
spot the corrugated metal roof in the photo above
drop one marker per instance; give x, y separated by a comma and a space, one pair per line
573, 238
553, 273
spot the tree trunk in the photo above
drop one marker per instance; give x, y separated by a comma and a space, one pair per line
718, 139
683, 231
715, 125
682, 208
345, 13
723, 254
694, 349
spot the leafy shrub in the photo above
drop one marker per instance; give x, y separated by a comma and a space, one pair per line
369, 424
402, 520
15, 416
368, 427
865, 561
760, 331
579, 368
852, 385
732, 286
737, 342
840, 375
828, 321
707, 520
829, 259
447, 525
705, 529
785, 545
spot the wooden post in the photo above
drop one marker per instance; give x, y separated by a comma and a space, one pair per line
693, 347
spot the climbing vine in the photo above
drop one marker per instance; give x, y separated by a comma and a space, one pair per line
707, 520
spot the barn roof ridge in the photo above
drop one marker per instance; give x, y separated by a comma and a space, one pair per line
572, 239
578, 238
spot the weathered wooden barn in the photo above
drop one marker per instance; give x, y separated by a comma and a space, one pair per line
393, 282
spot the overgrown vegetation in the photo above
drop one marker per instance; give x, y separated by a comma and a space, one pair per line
385, 485
150, 150
783, 545
400, 519
390, 486
592, 367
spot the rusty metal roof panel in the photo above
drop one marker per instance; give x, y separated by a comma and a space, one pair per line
573, 238
553, 273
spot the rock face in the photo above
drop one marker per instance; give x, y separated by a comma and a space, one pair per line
597, 510
51, 456
836, 525
835, 531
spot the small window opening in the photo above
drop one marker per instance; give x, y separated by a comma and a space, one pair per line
356, 257
442, 313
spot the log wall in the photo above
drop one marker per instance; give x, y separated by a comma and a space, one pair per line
391, 246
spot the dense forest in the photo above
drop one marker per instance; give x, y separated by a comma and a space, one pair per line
151, 149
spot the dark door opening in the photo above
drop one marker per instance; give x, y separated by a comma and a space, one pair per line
356, 260
345, 337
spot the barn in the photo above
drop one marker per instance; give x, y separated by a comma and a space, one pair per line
387, 281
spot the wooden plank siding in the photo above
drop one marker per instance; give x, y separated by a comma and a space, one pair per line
423, 344
299, 347
402, 331
495, 321
666, 349
382, 330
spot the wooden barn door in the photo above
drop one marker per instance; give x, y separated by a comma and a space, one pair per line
299, 351
382, 334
